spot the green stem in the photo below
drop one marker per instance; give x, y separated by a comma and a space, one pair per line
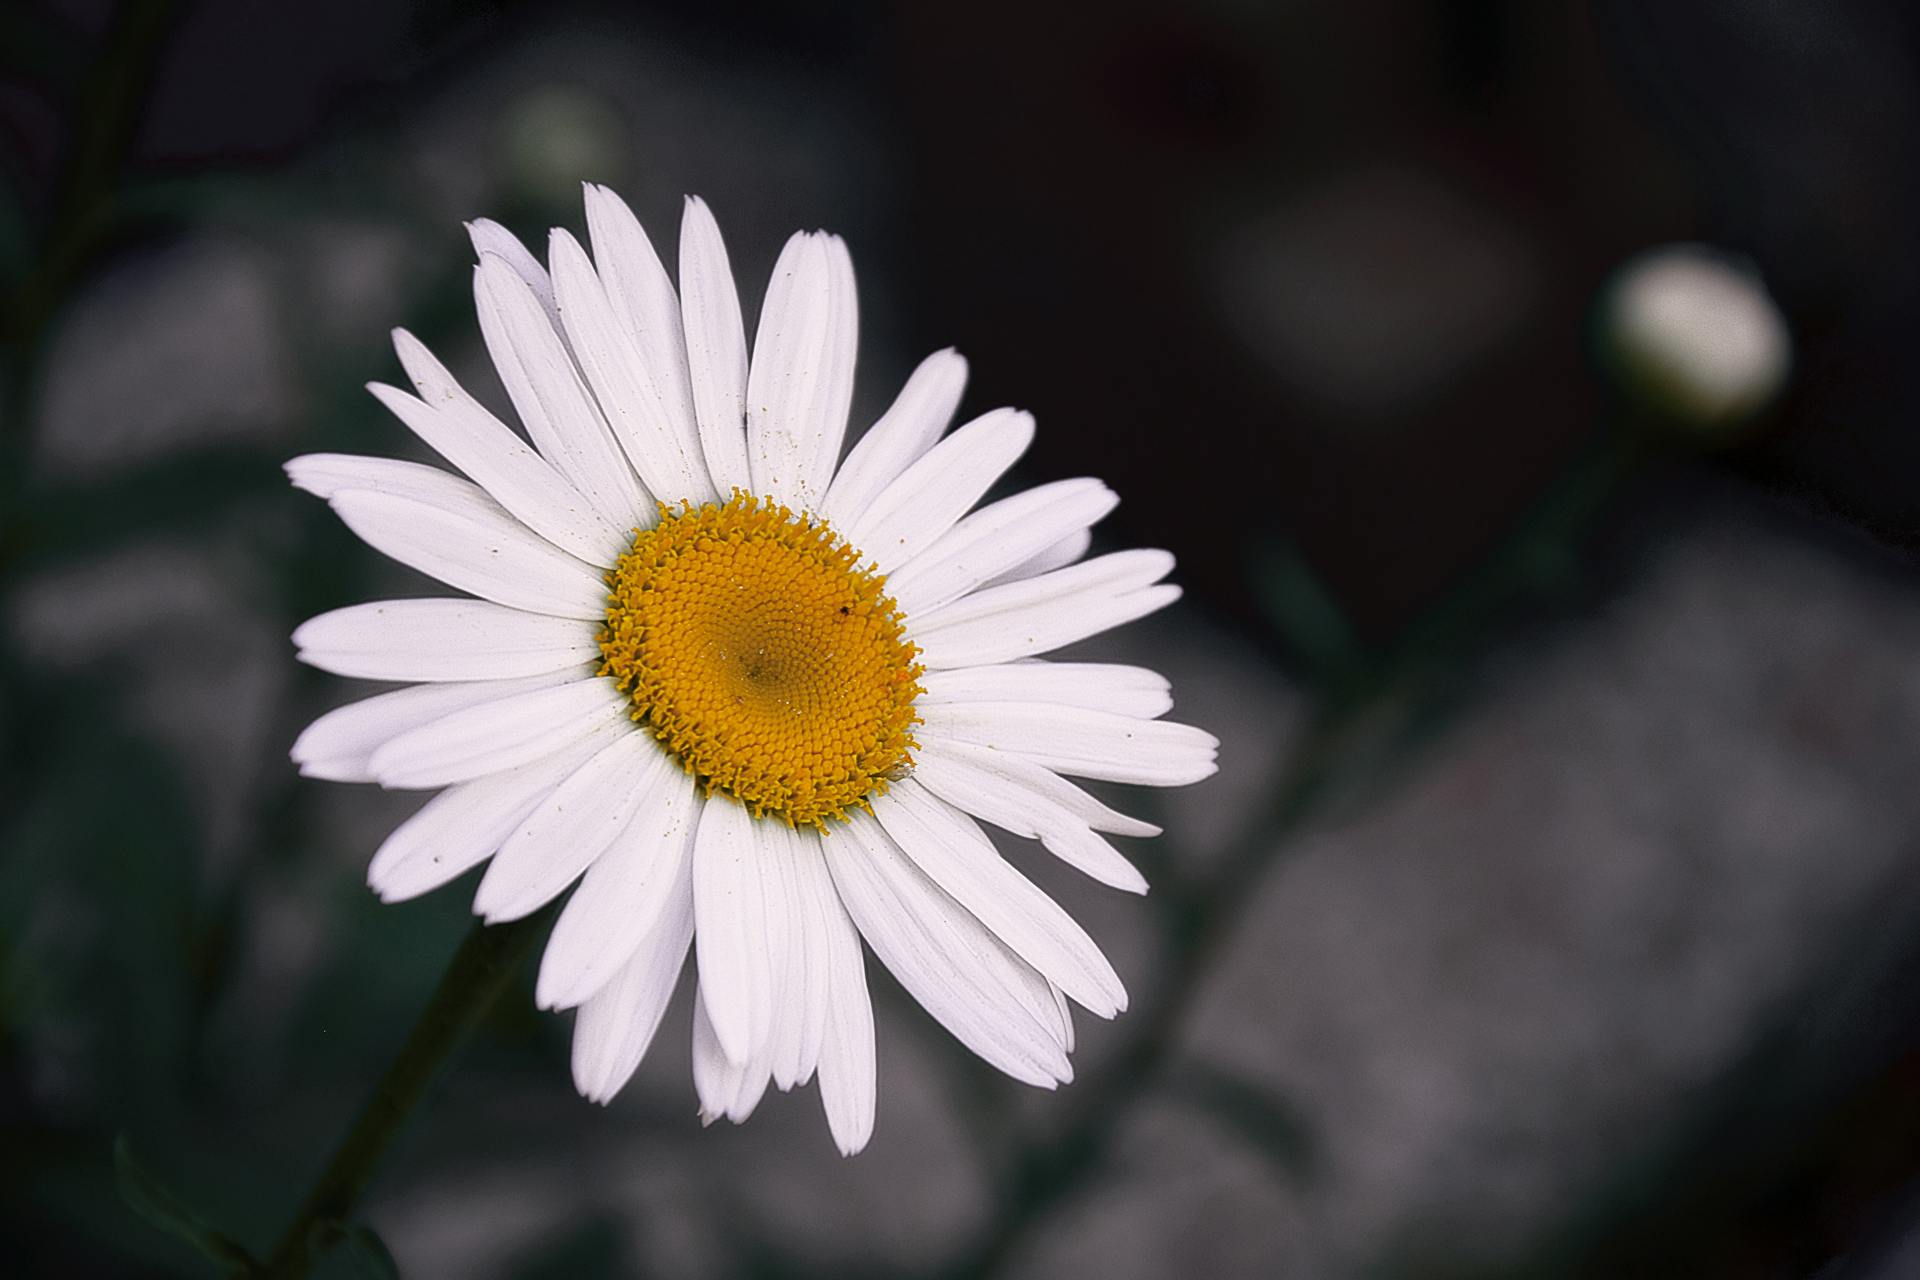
481, 969
1046, 1173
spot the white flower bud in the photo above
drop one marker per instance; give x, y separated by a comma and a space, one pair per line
1695, 336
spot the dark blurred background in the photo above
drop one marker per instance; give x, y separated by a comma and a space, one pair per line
1557, 909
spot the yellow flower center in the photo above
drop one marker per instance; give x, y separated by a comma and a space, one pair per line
764, 657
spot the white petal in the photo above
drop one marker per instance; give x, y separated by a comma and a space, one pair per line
550, 396
933, 493
459, 828
1017, 771
1084, 743
325, 474
802, 962
848, 1083
613, 1029
630, 887
1064, 1026
726, 1088
642, 296
836, 386
963, 975
956, 854
490, 238
499, 735
1115, 574
908, 429
339, 746
628, 390
1019, 619
1058, 556
442, 640
787, 379
466, 540
456, 426
735, 926
1024, 812
1104, 686
570, 829
716, 347
995, 539
816, 900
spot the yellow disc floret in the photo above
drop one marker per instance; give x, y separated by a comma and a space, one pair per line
761, 654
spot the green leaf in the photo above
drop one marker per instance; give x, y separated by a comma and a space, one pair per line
1305, 613
369, 1252
147, 1197
1258, 1117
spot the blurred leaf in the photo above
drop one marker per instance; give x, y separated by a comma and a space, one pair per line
40, 40
597, 1247
185, 491
1308, 618
365, 1249
145, 1195
1251, 1112
371, 1252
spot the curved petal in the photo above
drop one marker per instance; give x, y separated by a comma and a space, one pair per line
1082, 742
953, 965
1058, 556
1020, 619
499, 735
801, 967
326, 474
725, 1087
829, 409
463, 538
489, 237
918, 416
642, 295
1103, 686
614, 1028
1012, 770
716, 347
568, 831
442, 640
848, 1084
550, 396
990, 797
627, 890
957, 856
941, 487
628, 389
787, 378
462, 826
454, 425
339, 746
997, 538
739, 919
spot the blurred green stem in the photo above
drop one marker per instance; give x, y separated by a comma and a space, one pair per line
1337, 743
480, 971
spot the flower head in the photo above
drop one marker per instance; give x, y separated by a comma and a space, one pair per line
754, 698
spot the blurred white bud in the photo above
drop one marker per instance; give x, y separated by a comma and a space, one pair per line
1695, 336
560, 136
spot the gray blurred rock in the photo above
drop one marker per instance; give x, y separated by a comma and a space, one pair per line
177, 629
1518, 967
183, 348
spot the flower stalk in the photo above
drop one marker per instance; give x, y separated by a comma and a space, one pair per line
480, 970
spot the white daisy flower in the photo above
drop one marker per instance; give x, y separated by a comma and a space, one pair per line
754, 699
